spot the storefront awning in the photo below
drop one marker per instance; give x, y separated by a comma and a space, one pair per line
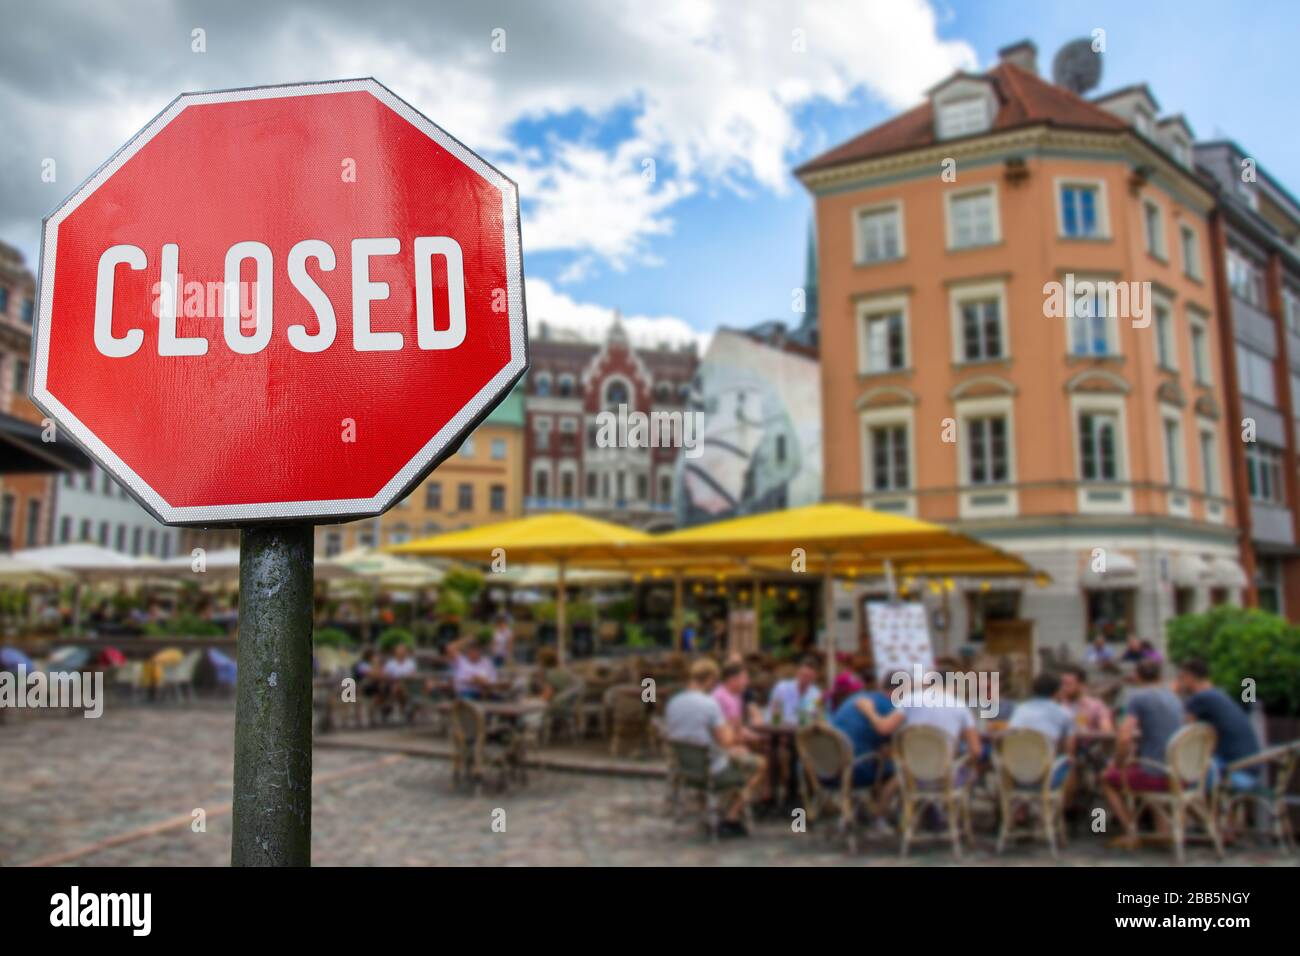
1121, 570
1226, 573
1190, 570
22, 450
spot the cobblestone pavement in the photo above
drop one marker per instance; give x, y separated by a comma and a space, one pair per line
68, 784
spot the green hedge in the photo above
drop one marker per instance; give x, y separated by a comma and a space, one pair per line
1242, 644
333, 637
394, 636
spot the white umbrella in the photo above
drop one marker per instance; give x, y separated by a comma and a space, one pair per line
87, 561
388, 570
16, 573
223, 564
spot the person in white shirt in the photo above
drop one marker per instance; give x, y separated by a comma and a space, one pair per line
471, 671
503, 642
390, 678
795, 700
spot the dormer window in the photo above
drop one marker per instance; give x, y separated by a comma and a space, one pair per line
963, 117
1179, 150
1144, 122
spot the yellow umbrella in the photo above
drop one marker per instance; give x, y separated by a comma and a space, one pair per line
837, 538
560, 538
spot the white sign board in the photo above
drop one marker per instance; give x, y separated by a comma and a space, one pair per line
900, 637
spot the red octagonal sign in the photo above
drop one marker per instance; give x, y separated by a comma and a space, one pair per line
280, 303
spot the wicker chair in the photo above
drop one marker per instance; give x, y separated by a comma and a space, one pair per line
629, 718
690, 770
1026, 765
562, 712
178, 680
476, 755
128, 680
1187, 769
929, 777
826, 757
1273, 769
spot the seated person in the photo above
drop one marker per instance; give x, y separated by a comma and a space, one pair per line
950, 715
693, 716
868, 718
845, 685
1133, 650
795, 700
1154, 715
1099, 652
1043, 714
1091, 715
400, 665
1205, 702
471, 670
365, 672
552, 679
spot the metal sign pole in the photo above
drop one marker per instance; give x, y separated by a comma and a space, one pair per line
273, 706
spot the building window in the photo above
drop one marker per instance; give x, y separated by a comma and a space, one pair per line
1255, 372
119, 539
1090, 326
890, 469
1264, 473
1099, 446
616, 394
106, 484
886, 348
433, 496
464, 497
1154, 229
88, 480
963, 117
166, 547
620, 488
7, 505
333, 544
567, 479
642, 488
1245, 278
541, 484
65, 530
32, 533
1209, 464
103, 534
880, 234
591, 484
497, 498
1173, 434
86, 530
467, 448
1200, 354
566, 386
543, 385
29, 308
20, 376
1291, 310
4, 299
498, 449
1191, 252
1166, 353
542, 434
981, 329
137, 540
665, 488
1081, 213
972, 219
779, 450
152, 546
987, 442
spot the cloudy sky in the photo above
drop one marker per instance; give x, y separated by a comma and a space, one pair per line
652, 142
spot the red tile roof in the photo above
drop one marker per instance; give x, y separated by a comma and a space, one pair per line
1024, 99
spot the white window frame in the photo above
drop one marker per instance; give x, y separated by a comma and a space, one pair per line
1113, 349
1119, 493
1190, 251
1209, 468
1156, 243
1202, 365
965, 292
859, 238
944, 126
1291, 310
1161, 302
968, 505
1176, 474
903, 500
1103, 207
875, 306
539, 468
950, 231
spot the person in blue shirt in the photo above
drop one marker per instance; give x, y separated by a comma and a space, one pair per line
868, 718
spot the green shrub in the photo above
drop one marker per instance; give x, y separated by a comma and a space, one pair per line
390, 638
1244, 644
333, 637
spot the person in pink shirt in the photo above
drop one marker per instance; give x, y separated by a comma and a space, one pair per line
730, 695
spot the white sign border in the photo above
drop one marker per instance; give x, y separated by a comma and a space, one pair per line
316, 511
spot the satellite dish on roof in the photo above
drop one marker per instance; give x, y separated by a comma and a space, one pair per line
1077, 66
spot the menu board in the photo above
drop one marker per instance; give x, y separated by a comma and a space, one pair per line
900, 637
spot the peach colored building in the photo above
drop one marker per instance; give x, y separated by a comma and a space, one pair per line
1018, 339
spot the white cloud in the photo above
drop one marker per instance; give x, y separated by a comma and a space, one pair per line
710, 87
590, 322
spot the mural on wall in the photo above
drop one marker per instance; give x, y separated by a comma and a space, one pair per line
761, 427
